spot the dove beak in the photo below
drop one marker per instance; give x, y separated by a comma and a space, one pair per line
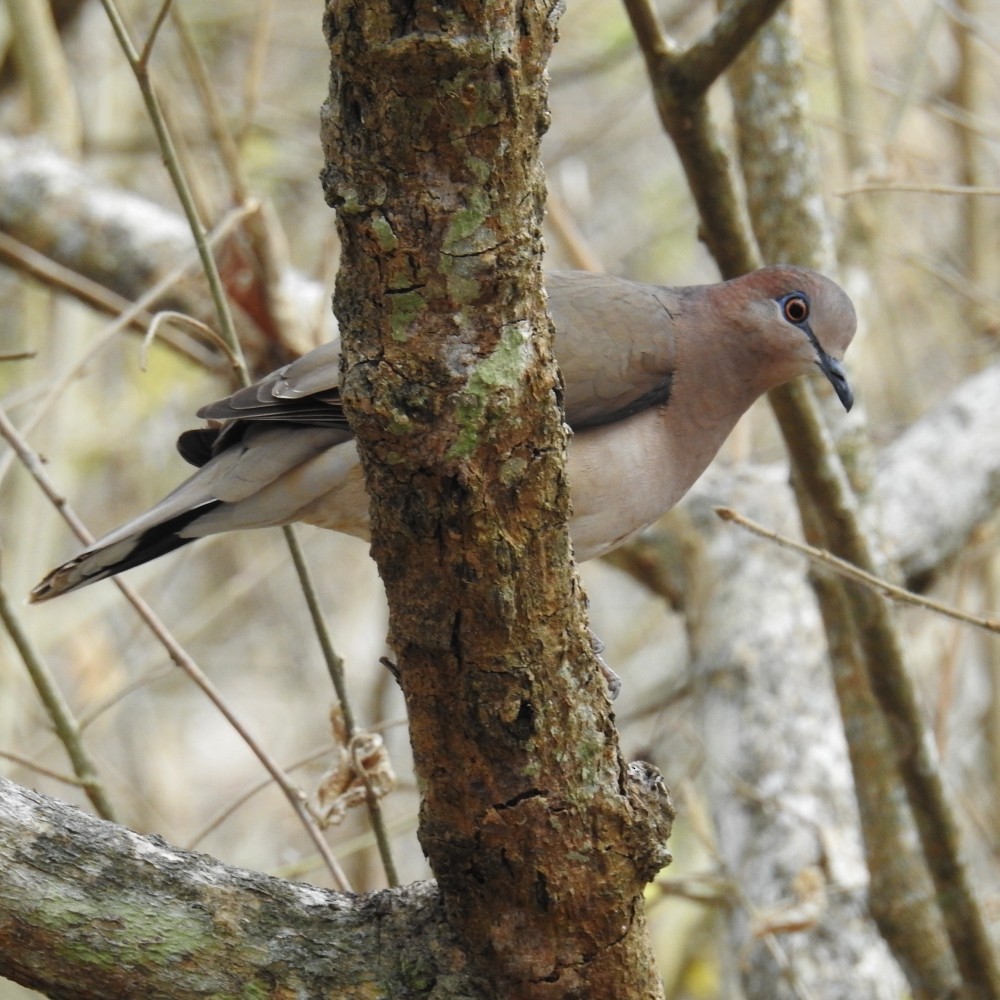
834, 371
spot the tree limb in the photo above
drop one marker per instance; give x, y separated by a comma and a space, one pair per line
92, 910
131, 244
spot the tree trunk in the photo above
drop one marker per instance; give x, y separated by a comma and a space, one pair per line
540, 835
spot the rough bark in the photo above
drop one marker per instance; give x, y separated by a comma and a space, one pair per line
779, 778
769, 103
92, 910
539, 834
946, 927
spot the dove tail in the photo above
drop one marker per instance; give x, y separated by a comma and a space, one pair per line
106, 559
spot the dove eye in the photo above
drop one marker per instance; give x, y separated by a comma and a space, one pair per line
795, 309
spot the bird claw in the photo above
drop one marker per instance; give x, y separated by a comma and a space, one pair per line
614, 681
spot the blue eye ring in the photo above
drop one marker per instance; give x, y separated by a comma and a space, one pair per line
795, 308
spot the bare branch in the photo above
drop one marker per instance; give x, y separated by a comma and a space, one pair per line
178, 177
181, 925
705, 61
829, 561
175, 651
63, 722
683, 108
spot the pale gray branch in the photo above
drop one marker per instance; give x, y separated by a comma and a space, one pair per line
941, 478
92, 910
127, 243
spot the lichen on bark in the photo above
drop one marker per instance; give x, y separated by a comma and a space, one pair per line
540, 835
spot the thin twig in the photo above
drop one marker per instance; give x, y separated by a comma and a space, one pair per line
147, 49
19, 256
334, 663
915, 188
846, 569
48, 772
335, 667
61, 715
132, 313
175, 651
259, 786
377, 818
301, 867
223, 814
181, 319
179, 180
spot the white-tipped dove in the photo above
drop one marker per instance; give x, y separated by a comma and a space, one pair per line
655, 379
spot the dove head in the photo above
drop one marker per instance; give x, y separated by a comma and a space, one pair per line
801, 321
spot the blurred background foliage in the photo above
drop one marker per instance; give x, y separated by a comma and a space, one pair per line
922, 264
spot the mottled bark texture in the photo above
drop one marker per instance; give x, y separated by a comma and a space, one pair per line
877, 697
777, 773
539, 834
90, 910
771, 114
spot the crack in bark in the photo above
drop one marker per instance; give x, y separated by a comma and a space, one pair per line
531, 793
